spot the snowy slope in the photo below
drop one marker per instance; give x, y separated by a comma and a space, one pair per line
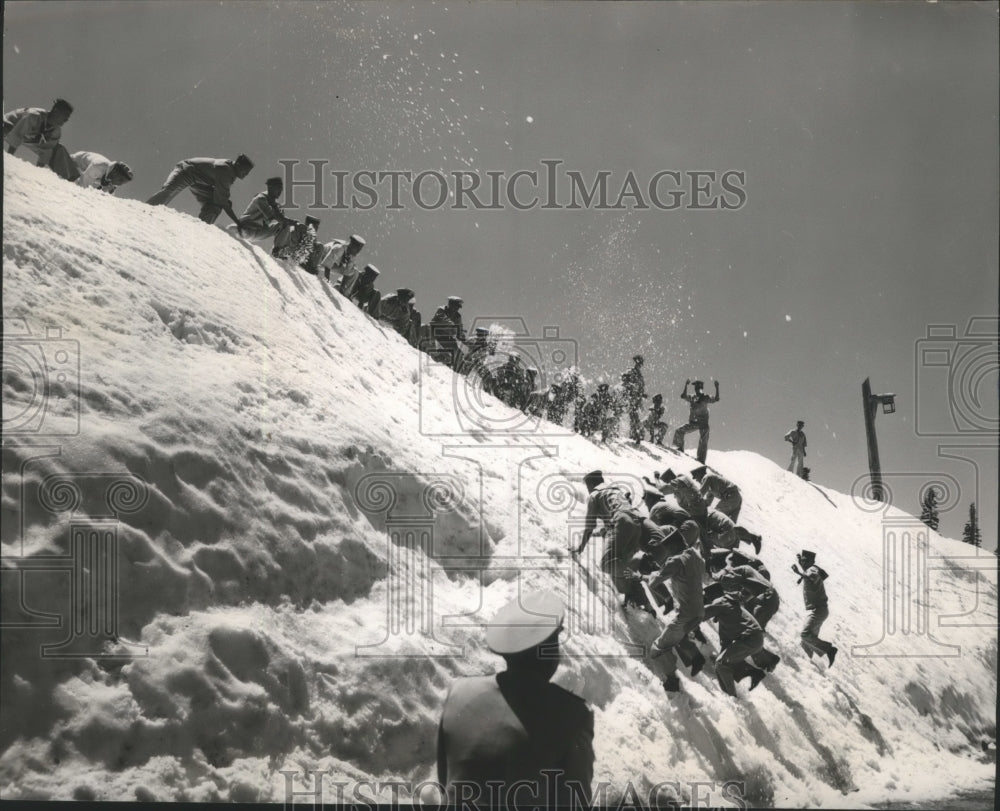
292, 464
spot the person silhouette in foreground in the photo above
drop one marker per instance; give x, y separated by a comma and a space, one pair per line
499, 733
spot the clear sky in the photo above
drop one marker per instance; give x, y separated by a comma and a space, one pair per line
867, 132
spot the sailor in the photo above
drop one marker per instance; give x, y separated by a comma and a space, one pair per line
499, 733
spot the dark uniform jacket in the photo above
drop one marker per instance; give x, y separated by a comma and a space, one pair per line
717, 486
717, 523
685, 573
396, 312
668, 511
813, 589
509, 727
734, 620
754, 563
758, 564
446, 326
753, 580
604, 502
688, 495
699, 406
211, 179
367, 297
798, 440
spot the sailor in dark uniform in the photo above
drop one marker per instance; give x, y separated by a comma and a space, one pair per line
814, 592
627, 531
509, 728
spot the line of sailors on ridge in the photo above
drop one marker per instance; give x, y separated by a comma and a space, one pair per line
689, 539
445, 338
210, 181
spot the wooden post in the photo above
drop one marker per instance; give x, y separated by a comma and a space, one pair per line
870, 405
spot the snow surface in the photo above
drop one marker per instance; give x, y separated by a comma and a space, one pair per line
266, 621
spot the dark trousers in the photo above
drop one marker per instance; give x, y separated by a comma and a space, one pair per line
675, 640
63, 165
731, 538
764, 607
635, 423
657, 431
180, 179
733, 658
764, 660
811, 642
730, 505
627, 533
687, 428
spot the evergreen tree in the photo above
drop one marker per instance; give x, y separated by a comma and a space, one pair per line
971, 534
929, 510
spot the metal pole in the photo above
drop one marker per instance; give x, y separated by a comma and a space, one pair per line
870, 406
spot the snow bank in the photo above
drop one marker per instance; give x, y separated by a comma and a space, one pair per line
296, 536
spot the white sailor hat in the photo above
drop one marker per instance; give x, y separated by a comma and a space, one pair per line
525, 623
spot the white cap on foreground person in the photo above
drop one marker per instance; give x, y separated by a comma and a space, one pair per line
507, 728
